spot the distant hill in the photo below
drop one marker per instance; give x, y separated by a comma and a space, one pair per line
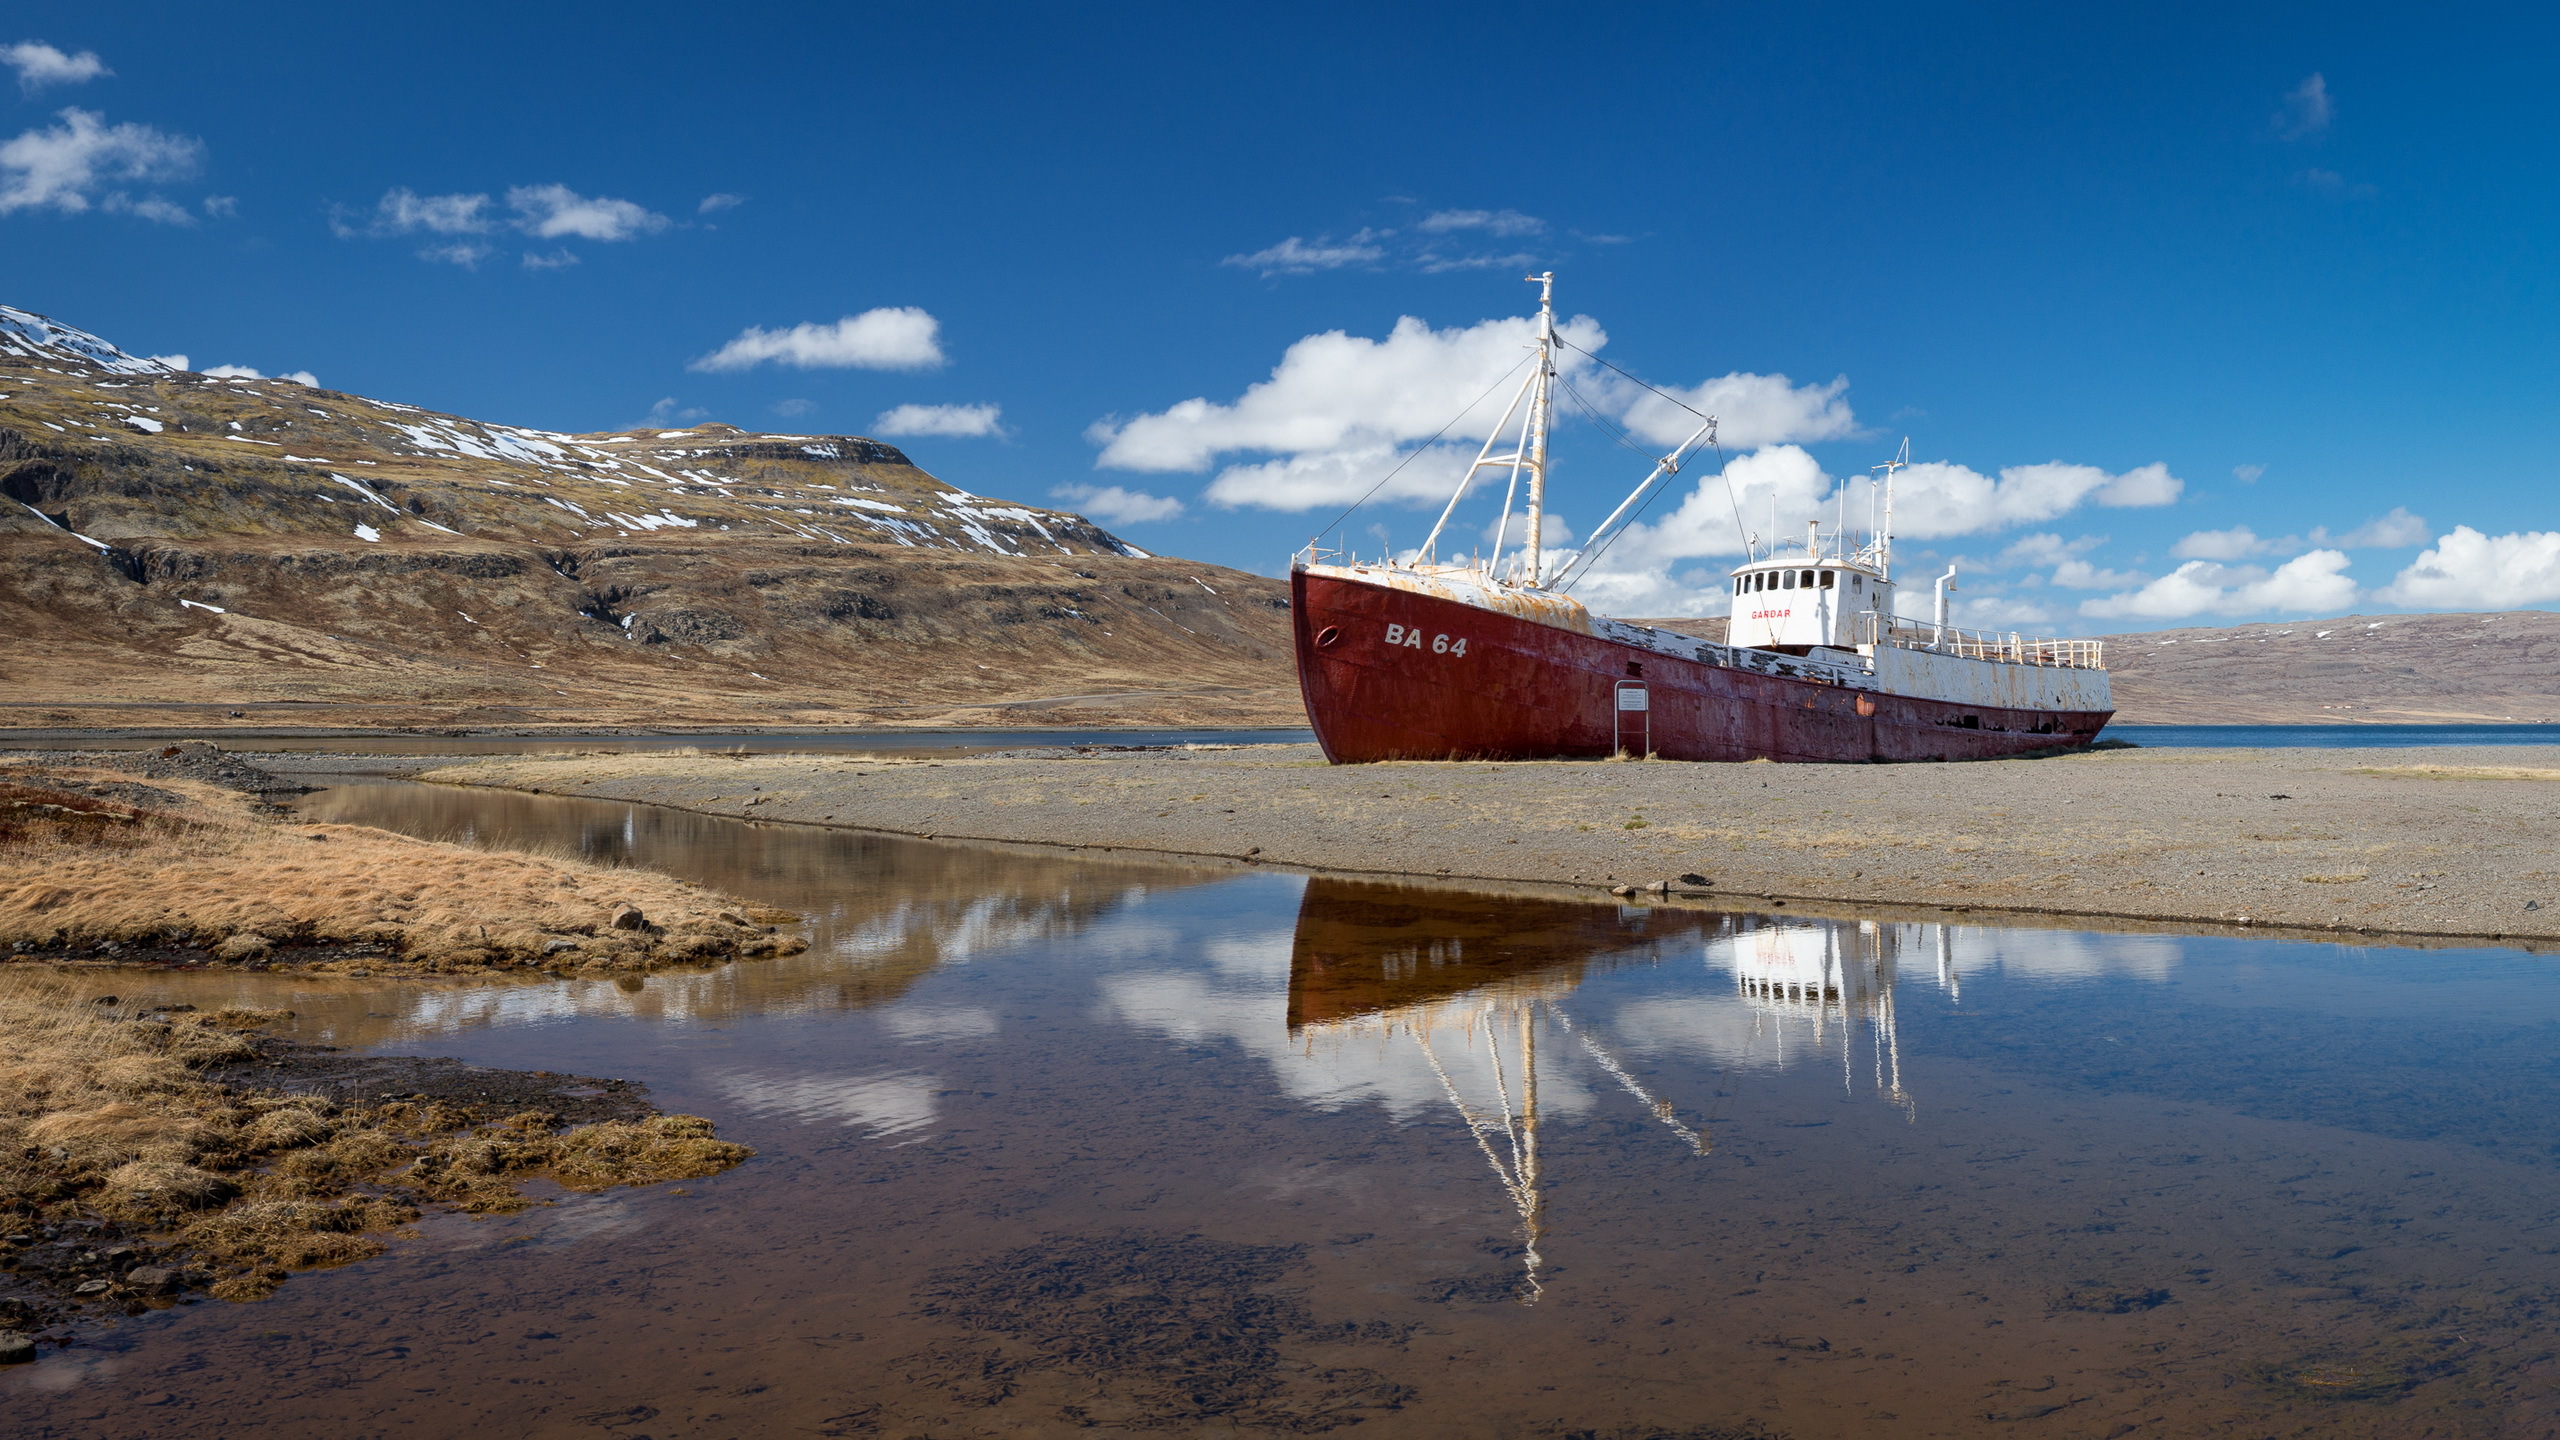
2365, 669
175, 547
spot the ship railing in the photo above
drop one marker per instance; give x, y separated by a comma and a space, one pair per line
2012, 648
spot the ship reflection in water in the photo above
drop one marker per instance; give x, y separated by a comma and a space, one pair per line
1065, 1141
1481, 989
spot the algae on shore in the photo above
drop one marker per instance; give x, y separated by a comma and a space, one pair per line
146, 1153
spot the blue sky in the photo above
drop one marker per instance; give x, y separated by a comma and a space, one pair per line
2196, 314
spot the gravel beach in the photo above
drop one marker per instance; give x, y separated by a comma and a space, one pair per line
2452, 843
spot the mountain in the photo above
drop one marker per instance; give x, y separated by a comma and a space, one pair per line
176, 547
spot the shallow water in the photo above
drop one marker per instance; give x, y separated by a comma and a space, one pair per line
1048, 1143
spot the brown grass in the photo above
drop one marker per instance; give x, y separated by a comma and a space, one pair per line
110, 1118
220, 877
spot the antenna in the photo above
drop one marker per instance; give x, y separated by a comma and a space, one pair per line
1884, 538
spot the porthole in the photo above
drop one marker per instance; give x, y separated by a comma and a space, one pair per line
1328, 635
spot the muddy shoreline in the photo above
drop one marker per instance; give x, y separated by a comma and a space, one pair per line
2417, 845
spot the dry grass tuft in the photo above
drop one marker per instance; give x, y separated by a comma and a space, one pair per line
106, 1117
227, 880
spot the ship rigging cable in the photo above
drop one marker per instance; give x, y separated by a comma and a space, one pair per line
1422, 449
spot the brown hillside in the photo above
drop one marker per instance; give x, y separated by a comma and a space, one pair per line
175, 548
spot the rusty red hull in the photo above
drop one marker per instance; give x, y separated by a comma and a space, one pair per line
1527, 691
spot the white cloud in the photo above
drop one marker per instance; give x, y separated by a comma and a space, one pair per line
2308, 584
2247, 474
2307, 110
1339, 476
1978, 612
712, 204
154, 208
1337, 394
1936, 499
956, 420
1750, 410
1295, 256
174, 362
2081, 575
793, 407
244, 372
899, 338
1492, 222
2394, 531
2237, 543
668, 411
1419, 248
403, 211
39, 65
63, 168
222, 207
548, 212
1113, 505
2045, 548
2467, 570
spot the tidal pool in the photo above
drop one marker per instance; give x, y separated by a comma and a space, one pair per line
1058, 1143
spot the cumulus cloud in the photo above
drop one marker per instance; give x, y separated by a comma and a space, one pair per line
1337, 392
1295, 256
1113, 505
2467, 570
66, 167
548, 212
713, 204
1771, 494
1936, 499
2308, 584
955, 420
2247, 474
1750, 410
2307, 110
2389, 532
2046, 548
889, 338
2396, 530
2237, 543
2081, 575
39, 65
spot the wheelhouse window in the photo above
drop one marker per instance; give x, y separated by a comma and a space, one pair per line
1789, 582
1807, 581
1830, 579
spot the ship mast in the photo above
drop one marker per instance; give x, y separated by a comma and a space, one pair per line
1540, 413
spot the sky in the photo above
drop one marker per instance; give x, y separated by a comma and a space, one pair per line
2190, 314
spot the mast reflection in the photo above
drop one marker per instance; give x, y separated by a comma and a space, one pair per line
1472, 981
1478, 985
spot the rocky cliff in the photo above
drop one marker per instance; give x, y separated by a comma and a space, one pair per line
178, 548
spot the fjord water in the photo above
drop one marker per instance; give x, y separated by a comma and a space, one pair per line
1050, 1142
